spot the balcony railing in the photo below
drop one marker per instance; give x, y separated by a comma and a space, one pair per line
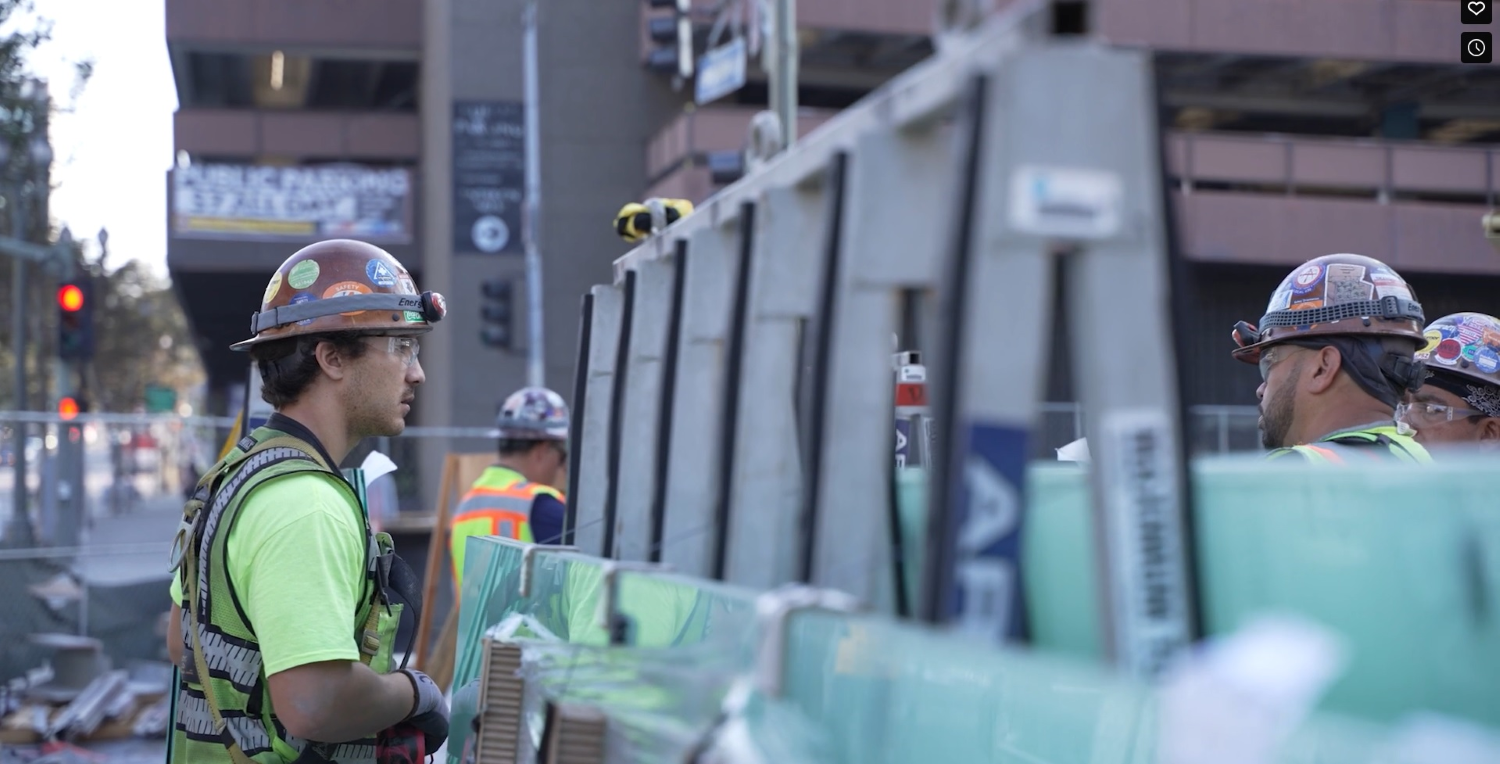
1383, 170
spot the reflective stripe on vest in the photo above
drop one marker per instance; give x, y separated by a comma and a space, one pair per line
499, 504
230, 654
1319, 454
1380, 443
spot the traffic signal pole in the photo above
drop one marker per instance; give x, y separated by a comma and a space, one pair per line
69, 517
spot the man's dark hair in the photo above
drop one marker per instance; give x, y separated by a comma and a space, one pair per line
518, 446
288, 366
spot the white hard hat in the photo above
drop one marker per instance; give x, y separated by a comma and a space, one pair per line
533, 413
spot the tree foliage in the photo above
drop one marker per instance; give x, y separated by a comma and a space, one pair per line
141, 334
142, 338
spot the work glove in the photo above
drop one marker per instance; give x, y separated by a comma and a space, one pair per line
430, 714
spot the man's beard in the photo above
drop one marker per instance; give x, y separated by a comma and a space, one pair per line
1276, 420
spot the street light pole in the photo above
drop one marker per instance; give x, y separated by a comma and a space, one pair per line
531, 230
785, 55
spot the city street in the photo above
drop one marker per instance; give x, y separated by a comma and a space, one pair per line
137, 493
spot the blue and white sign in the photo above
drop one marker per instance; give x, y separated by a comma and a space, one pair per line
982, 544
721, 71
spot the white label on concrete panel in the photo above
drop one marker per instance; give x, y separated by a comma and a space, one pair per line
1145, 538
1065, 202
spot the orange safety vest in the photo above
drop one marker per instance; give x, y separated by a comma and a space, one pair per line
499, 504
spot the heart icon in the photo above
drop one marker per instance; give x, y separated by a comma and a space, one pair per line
1476, 7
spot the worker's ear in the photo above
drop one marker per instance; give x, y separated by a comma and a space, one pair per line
333, 361
1489, 431
1323, 369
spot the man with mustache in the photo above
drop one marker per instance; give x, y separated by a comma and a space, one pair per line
288, 604
1335, 354
1460, 401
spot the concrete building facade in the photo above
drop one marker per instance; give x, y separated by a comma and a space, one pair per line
1295, 128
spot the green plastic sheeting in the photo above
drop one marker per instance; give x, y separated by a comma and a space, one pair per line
684, 641
1403, 561
861, 690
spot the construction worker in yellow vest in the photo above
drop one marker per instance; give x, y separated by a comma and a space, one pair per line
519, 496
287, 603
1460, 402
1335, 349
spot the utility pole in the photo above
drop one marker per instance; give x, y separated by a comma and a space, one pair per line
780, 62
531, 231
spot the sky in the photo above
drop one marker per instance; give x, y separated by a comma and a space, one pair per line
112, 152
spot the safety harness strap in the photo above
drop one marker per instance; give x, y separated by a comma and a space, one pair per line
287, 448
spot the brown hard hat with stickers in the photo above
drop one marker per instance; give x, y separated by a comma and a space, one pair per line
1334, 295
342, 285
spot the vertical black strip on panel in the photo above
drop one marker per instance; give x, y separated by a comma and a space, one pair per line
729, 416
668, 396
816, 414
1179, 290
910, 306
575, 421
942, 530
617, 416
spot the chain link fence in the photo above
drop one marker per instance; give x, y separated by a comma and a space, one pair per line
87, 556
89, 553
1211, 429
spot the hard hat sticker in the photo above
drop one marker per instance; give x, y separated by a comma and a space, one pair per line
345, 289
412, 317
300, 298
303, 274
1492, 338
1469, 332
1280, 301
272, 288
407, 285
1487, 360
1388, 284
1307, 279
1433, 337
1346, 283
380, 274
1447, 352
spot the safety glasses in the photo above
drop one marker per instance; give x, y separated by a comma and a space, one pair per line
1432, 413
405, 348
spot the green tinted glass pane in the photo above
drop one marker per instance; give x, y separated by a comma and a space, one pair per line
868, 691
687, 641
1403, 561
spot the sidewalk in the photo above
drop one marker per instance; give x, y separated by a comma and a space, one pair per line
149, 529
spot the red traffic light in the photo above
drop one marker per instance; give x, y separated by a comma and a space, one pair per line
70, 298
67, 408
